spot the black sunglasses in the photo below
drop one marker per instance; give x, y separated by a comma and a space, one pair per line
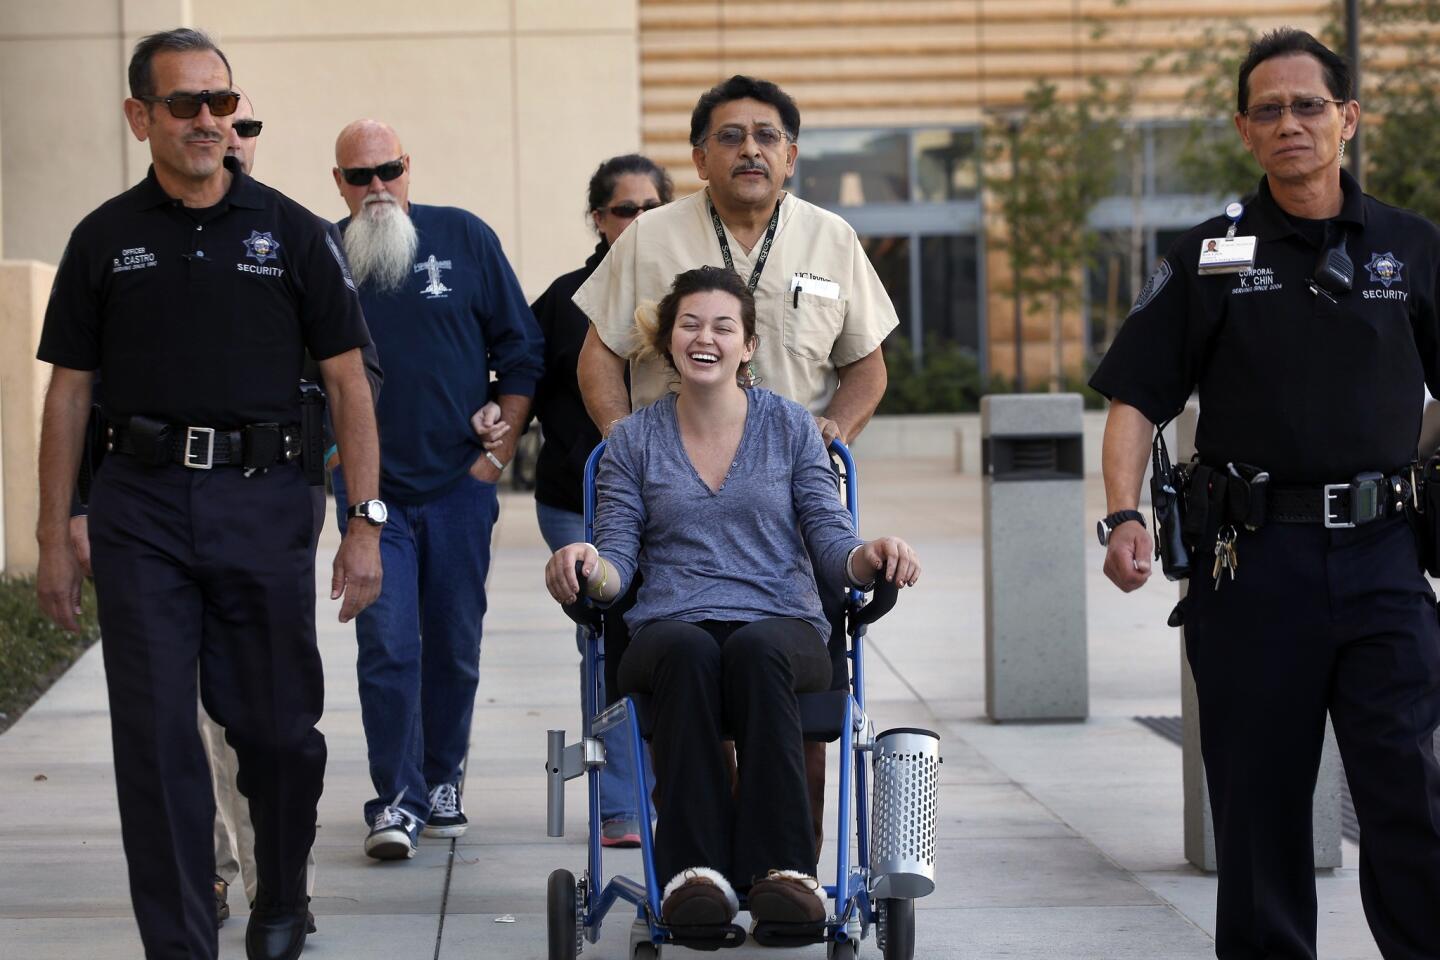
628, 211
361, 176
248, 128
184, 106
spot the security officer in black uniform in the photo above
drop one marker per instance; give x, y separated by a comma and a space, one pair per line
195, 295
1311, 345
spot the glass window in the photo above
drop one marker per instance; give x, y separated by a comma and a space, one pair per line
840, 168
949, 292
1108, 289
1170, 146
891, 258
946, 165
1164, 240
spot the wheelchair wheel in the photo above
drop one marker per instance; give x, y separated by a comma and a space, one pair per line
646, 951
897, 929
562, 916
849, 950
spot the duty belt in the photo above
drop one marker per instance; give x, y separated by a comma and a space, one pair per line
1340, 506
255, 446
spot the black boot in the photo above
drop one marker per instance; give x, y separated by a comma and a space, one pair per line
276, 931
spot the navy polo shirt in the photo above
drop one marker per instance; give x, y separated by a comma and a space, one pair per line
201, 316
1310, 388
459, 315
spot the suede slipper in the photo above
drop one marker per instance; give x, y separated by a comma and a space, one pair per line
787, 896
699, 896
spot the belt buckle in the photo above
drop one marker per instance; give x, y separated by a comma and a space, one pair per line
191, 433
1332, 522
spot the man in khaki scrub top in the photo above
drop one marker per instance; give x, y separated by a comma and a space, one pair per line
821, 311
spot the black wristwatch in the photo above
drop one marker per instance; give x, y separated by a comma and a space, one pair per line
372, 512
1105, 527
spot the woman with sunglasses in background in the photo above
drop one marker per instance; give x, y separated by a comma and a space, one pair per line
621, 189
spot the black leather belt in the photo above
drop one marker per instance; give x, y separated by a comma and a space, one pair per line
256, 446
1369, 497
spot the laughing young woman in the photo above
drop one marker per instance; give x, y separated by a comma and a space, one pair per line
723, 498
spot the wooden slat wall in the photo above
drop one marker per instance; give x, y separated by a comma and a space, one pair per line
912, 62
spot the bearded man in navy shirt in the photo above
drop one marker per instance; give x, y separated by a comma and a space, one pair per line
444, 310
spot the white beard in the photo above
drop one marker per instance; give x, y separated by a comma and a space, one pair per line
380, 243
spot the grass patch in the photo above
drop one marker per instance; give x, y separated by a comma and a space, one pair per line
33, 651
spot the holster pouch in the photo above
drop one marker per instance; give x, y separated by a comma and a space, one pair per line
97, 439
1167, 500
150, 440
261, 445
312, 432
1246, 495
1426, 519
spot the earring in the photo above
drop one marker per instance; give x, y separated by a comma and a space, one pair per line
749, 378
1341, 157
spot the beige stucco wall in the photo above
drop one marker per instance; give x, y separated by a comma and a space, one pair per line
24, 288
506, 106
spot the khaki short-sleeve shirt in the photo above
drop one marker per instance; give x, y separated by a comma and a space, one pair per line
803, 339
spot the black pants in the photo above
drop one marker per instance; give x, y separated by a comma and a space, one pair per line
1320, 620
708, 680
214, 569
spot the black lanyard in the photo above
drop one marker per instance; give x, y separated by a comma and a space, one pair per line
764, 246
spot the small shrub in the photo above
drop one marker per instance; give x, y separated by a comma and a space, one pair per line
33, 651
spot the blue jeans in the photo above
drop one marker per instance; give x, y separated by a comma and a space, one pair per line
419, 642
617, 777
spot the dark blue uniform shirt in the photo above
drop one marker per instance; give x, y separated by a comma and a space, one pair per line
1312, 389
201, 316
460, 314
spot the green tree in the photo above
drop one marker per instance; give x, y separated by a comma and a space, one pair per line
1401, 105
1213, 158
1052, 162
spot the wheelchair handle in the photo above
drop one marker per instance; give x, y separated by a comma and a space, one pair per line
886, 593
581, 612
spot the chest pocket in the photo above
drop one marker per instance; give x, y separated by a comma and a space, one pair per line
811, 324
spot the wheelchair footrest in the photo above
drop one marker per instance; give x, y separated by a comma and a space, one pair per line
706, 937
789, 934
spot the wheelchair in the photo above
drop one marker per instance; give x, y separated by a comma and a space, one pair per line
894, 862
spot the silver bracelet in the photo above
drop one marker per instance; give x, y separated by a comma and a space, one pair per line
494, 460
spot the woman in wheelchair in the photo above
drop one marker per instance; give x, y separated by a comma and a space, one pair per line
724, 500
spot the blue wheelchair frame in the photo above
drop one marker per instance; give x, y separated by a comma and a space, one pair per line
853, 908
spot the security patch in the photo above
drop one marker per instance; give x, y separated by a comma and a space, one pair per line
261, 247
1152, 287
1385, 270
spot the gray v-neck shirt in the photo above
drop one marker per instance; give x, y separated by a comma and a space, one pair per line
748, 551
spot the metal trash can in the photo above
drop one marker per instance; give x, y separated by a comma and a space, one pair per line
1033, 502
902, 829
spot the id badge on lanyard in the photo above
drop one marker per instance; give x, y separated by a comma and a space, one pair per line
1228, 254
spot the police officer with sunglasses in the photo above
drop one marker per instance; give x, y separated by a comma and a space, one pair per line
195, 295
1308, 317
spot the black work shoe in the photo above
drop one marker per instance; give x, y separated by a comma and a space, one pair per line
447, 815
222, 902
275, 932
394, 835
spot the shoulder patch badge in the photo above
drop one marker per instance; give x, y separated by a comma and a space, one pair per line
340, 259
1152, 287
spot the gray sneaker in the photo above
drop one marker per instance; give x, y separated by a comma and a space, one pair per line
394, 835
447, 815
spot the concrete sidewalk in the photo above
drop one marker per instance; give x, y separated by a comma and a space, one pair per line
1056, 841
